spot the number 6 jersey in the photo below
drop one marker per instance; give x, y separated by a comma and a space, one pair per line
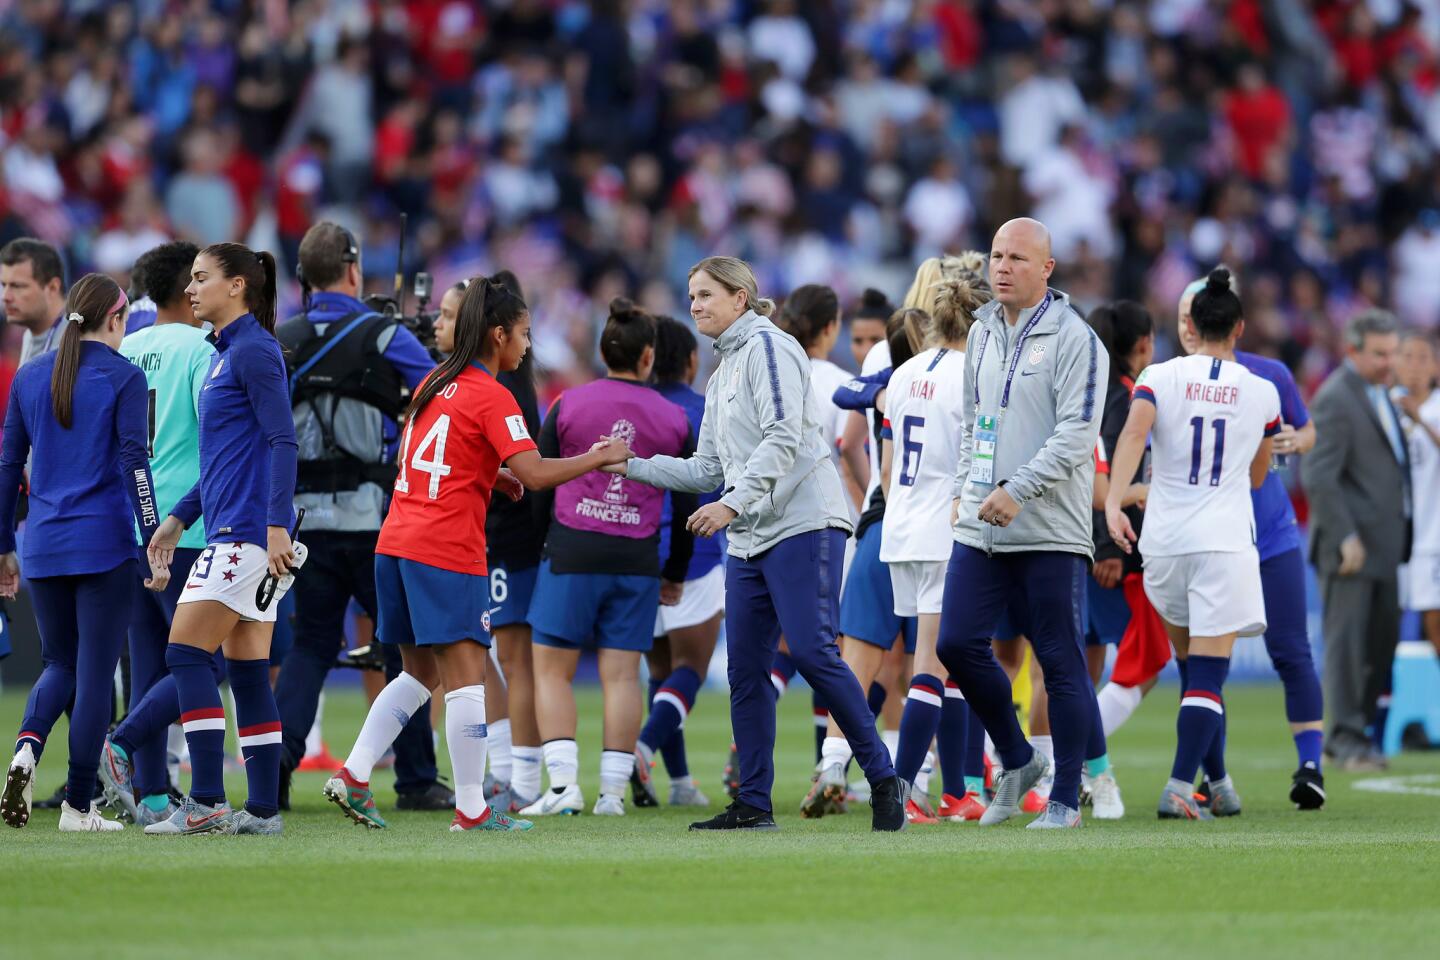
922, 420
449, 456
1211, 416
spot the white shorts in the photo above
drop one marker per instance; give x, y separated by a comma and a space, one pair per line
918, 585
1420, 582
1209, 594
235, 574
703, 598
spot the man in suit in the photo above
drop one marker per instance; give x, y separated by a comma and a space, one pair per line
1358, 482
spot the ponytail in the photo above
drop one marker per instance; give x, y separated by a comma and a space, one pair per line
258, 272
93, 300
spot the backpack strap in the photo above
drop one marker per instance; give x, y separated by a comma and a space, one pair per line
331, 342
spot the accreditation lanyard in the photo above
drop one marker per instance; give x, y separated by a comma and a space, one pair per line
987, 427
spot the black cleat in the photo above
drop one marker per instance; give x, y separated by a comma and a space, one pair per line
53, 801
1307, 788
738, 816
437, 796
887, 805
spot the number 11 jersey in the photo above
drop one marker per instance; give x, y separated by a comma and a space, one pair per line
922, 420
449, 456
1211, 416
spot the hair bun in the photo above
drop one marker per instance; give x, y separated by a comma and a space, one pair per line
1218, 281
624, 310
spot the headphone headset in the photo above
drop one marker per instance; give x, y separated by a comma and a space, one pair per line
351, 254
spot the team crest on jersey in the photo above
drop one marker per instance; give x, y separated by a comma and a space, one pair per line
485, 620
1037, 353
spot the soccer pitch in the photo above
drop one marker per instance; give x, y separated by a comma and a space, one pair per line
1361, 878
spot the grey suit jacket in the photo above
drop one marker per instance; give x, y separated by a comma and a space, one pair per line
1354, 481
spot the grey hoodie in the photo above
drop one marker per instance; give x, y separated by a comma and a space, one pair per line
761, 439
1045, 430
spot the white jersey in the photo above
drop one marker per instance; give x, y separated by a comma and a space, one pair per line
876, 360
1210, 418
1425, 475
923, 421
825, 379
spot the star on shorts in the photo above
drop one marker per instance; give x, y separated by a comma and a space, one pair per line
233, 559
229, 575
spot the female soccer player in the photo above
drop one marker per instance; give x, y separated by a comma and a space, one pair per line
601, 580
1210, 421
787, 518
430, 569
80, 411
685, 634
811, 315
246, 490
919, 451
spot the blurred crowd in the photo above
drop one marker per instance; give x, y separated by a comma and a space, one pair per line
598, 148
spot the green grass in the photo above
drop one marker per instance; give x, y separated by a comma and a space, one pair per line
1359, 879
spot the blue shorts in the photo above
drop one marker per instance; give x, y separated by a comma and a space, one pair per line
510, 592
1107, 614
867, 604
610, 611
426, 606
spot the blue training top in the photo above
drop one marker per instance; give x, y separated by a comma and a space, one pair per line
709, 551
247, 439
79, 478
1276, 530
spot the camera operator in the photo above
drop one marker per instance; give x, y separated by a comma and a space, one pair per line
350, 370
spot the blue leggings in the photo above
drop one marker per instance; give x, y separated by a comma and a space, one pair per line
80, 644
1287, 640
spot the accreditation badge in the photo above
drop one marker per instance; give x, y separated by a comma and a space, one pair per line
982, 463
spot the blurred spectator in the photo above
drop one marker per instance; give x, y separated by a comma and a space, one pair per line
201, 203
139, 227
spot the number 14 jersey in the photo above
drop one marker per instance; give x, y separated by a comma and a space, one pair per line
922, 420
449, 456
1211, 416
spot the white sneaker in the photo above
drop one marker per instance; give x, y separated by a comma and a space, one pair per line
15, 802
609, 805
570, 800
73, 821
1105, 802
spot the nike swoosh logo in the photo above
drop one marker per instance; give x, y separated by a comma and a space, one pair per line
1028, 373
191, 823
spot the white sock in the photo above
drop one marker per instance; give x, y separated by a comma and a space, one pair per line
401, 698
835, 750
922, 779
891, 739
1117, 703
615, 769
313, 742
465, 735
525, 767
499, 737
1046, 745
562, 763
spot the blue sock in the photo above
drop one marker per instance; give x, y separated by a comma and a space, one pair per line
918, 724
1184, 668
875, 699
1095, 766
669, 707
1309, 745
1202, 714
258, 723
1213, 761
822, 720
954, 731
672, 751
782, 671
203, 718
654, 688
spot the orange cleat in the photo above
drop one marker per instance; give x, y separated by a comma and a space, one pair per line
915, 813
322, 762
968, 807
1033, 803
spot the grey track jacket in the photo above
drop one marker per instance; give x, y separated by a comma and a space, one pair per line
761, 439
1046, 429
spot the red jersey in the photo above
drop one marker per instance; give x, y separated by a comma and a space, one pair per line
449, 456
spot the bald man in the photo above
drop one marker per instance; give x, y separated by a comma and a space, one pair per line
1021, 516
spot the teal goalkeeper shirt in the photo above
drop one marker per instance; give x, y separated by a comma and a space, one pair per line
175, 359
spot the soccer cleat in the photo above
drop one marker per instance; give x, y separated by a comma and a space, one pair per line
1034, 802
731, 777
915, 813
489, 820
609, 805
1011, 786
115, 773
642, 780
435, 797
319, 762
354, 799
245, 823
968, 807
686, 793
19, 794
1307, 788
144, 816
738, 816
1224, 801
552, 802
1057, 816
191, 818
73, 821
1180, 806
518, 801
827, 793
499, 797
887, 804
1105, 799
